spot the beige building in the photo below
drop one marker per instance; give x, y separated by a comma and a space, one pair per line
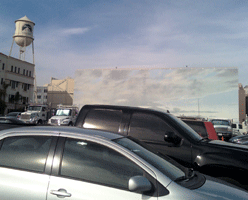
242, 103
60, 92
41, 94
19, 75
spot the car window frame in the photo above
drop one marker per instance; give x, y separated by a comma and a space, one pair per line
49, 159
148, 172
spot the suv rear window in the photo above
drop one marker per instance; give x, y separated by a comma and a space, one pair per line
107, 120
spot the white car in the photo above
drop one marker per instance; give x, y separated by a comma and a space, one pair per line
47, 163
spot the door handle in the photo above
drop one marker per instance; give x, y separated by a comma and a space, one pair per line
61, 193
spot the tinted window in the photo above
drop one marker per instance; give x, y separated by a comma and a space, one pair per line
108, 120
167, 168
198, 127
96, 163
29, 152
148, 127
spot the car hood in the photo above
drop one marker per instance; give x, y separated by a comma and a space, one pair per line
222, 126
30, 112
224, 144
60, 117
218, 189
211, 190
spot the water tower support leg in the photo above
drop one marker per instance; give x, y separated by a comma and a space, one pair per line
11, 47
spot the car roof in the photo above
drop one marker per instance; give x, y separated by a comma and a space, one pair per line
13, 112
127, 108
64, 130
10, 118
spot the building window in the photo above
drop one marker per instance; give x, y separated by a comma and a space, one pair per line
13, 84
30, 73
24, 86
3, 66
24, 99
15, 69
24, 72
27, 73
39, 97
12, 68
11, 98
45, 90
1, 81
19, 70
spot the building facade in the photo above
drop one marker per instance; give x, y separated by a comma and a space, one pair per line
41, 94
60, 92
18, 75
242, 103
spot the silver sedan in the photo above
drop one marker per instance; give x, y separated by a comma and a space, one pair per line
73, 163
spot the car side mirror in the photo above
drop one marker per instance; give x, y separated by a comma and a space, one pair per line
139, 184
171, 137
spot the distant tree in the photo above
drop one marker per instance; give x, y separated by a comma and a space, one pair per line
2, 107
2, 97
16, 99
3, 90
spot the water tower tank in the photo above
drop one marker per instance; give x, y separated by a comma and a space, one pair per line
24, 31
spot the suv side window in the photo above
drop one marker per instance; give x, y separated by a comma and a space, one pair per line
98, 164
107, 120
25, 152
198, 126
148, 127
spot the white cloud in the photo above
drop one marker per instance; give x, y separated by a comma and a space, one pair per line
73, 31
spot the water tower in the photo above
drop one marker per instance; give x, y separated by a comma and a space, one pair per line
23, 36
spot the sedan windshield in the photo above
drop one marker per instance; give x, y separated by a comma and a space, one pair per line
36, 108
160, 162
64, 112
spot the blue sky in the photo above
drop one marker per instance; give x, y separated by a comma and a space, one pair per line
86, 34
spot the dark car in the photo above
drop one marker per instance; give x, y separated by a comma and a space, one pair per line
14, 114
11, 122
241, 139
171, 136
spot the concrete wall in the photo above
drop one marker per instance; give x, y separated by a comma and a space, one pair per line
205, 92
60, 92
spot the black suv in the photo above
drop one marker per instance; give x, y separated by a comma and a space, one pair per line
171, 136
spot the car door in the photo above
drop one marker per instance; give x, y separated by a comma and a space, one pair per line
24, 166
89, 170
151, 129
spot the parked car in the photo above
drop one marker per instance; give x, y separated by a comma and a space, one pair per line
171, 136
241, 139
238, 129
203, 128
14, 114
57, 162
223, 128
10, 122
